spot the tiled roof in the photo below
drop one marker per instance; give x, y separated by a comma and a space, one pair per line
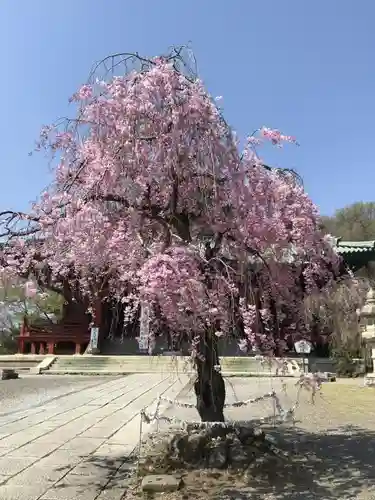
355, 246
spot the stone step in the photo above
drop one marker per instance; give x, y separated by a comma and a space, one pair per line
111, 365
123, 364
19, 362
246, 366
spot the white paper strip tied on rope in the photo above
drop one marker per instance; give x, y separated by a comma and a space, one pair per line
282, 415
151, 419
236, 404
307, 381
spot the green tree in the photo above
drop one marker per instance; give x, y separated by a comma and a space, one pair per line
354, 222
15, 305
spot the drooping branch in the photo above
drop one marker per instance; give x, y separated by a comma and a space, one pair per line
149, 171
9, 217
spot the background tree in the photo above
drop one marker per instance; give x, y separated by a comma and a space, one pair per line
19, 302
354, 222
333, 315
154, 205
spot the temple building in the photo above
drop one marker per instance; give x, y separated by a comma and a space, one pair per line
73, 335
356, 254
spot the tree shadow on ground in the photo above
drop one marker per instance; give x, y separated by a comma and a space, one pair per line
337, 465
100, 473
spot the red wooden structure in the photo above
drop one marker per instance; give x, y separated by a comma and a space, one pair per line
54, 338
71, 335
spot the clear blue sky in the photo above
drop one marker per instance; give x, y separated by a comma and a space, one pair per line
307, 68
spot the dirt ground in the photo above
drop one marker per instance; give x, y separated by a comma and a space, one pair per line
331, 445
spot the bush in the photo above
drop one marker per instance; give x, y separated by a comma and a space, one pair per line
344, 360
8, 342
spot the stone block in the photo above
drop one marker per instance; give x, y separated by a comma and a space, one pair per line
327, 376
8, 374
160, 483
112, 494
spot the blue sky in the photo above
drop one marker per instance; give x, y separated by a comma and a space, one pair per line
306, 68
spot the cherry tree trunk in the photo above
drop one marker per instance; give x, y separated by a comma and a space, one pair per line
209, 386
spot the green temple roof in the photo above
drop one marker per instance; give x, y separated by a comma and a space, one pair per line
350, 247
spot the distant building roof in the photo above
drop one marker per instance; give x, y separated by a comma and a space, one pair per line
345, 247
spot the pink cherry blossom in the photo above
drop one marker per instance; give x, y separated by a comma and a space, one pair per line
153, 201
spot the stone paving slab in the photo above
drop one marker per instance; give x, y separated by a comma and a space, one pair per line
112, 494
73, 447
10, 466
37, 474
63, 458
34, 449
74, 492
18, 492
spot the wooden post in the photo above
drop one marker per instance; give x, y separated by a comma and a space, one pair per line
41, 348
33, 348
21, 346
51, 347
78, 348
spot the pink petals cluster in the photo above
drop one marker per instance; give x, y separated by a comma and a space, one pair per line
152, 197
276, 137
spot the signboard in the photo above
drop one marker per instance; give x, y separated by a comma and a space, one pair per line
303, 347
142, 344
144, 327
94, 336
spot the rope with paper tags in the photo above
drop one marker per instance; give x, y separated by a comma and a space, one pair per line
308, 381
237, 404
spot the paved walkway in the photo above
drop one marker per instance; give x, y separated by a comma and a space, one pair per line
75, 446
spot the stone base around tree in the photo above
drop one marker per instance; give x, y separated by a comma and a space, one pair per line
369, 380
237, 446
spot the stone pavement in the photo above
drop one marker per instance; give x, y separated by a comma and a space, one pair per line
76, 446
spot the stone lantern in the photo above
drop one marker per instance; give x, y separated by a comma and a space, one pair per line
367, 323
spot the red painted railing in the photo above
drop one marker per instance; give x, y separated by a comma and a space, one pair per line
78, 333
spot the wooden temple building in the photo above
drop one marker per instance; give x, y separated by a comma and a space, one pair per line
73, 334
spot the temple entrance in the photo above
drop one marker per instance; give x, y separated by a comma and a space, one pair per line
116, 338
27, 349
113, 322
65, 348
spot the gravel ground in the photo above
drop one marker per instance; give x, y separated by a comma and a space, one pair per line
331, 444
33, 390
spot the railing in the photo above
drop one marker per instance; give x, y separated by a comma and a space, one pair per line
62, 331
